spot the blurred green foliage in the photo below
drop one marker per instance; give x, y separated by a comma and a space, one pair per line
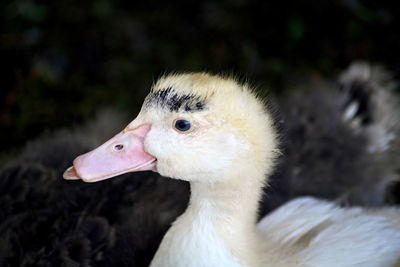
63, 60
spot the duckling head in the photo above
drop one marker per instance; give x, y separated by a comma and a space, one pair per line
195, 127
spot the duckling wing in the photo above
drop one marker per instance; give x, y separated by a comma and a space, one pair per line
319, 233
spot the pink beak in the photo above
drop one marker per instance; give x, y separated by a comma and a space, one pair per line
121, 154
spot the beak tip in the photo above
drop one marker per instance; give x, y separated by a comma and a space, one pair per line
70, 174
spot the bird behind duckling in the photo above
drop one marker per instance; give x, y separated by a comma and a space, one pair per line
339, 139
216, 134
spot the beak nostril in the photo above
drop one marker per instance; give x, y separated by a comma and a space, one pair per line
118, 147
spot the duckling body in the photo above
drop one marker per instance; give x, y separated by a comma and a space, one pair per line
215, 134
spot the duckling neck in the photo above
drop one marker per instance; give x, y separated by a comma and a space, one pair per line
218, 227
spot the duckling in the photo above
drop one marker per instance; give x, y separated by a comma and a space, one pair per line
216, 134
339, 138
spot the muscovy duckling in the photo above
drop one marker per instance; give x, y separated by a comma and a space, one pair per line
339, 138
216, 134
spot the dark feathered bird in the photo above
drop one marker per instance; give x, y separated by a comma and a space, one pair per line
46, 221
340, 139
338, 142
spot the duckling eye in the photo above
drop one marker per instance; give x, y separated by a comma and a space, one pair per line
182, 125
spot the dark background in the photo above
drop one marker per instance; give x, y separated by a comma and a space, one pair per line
60, 61
63, 61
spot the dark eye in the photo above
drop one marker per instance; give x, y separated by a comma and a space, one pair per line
182, 125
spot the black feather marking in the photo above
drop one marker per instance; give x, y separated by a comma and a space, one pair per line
200, 105
169, 99
163, 93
